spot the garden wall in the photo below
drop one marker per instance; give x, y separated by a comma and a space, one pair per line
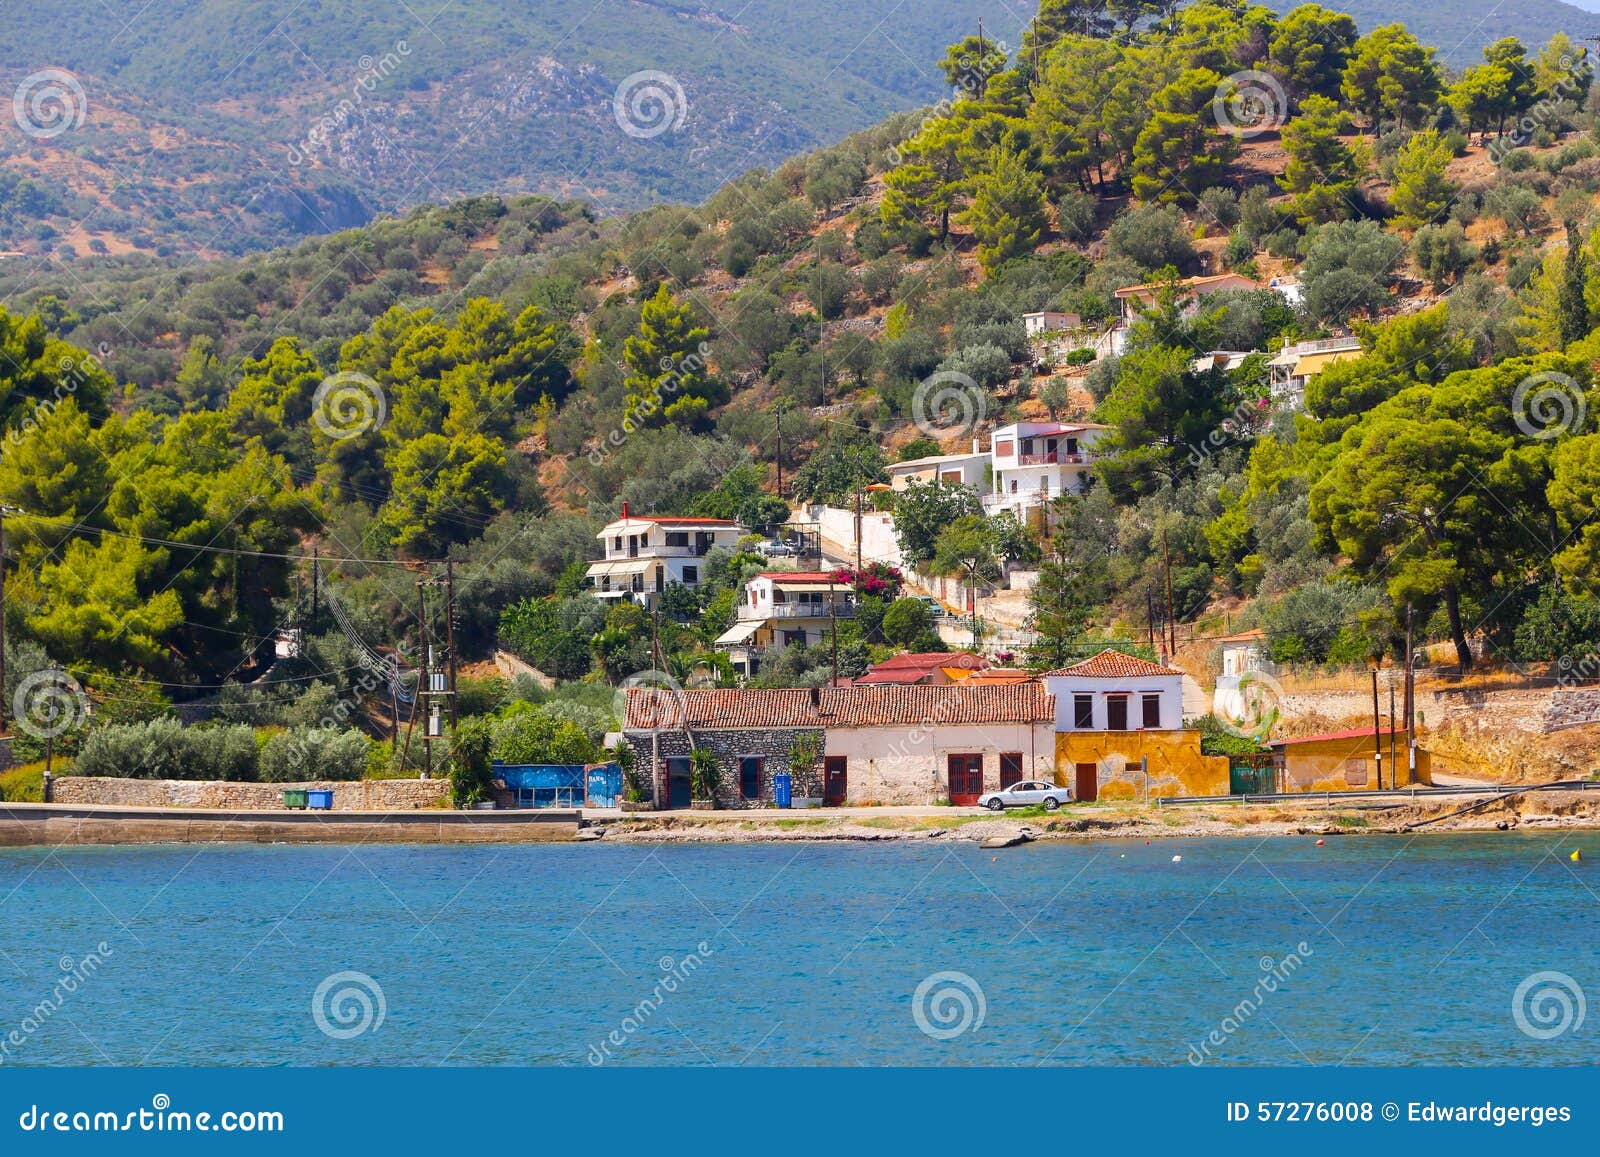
358, 795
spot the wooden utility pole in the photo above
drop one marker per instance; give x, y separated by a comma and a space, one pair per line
858, 523
2, 620
1377, 733
1150, 617
1394, 767
316, 583
777, 416
1172, 611
450, 643
1411, 701
833, 628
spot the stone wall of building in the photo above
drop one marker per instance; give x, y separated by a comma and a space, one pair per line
358, 795
772, 745
1571, 707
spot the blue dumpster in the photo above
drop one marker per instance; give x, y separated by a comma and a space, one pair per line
781, 788
319, 800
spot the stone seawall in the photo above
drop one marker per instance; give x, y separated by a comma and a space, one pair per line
357, 795
34, 825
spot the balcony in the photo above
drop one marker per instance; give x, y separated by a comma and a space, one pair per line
748, 613
1049, 458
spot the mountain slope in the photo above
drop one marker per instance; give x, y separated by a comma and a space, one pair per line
234, 124
1461, 29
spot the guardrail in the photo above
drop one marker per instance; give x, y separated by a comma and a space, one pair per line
1388, 793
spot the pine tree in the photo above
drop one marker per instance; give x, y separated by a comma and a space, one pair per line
1573, 308
1007, 213
667, 379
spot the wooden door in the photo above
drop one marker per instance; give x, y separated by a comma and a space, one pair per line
966, 779
835, 780
678, 782
1086, 787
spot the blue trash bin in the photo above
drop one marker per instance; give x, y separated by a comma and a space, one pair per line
781, 788
319, 800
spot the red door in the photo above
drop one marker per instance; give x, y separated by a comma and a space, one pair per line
835, 780
966, 779
1087, 788
1010, 768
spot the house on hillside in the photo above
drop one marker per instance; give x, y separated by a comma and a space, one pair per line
1120, 733
970, 469
1133, 300
1295, 365
1049, 321
889, 744
1035, 462
937, 668
783, 609
1348, 761
641, 556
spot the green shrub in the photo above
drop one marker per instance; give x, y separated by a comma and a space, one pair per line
165, 749
315, 753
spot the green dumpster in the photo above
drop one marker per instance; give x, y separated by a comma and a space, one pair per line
294, 798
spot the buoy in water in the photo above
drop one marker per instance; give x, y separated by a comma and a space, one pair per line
1576, 855
1177, 859
1321, 842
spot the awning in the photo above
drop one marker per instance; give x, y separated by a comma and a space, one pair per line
740, 632
620, 566
791, 588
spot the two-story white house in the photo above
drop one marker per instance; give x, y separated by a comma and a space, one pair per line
969, 469
783, 609
1034, 462
644, 555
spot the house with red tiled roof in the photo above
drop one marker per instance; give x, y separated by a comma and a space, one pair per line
888, 743
783, 609
1358, 759
643, 555
1120, 733
930, 667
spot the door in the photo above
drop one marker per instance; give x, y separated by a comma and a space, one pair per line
835, 780
1087, 782
678, 788
966, 779
1010, 768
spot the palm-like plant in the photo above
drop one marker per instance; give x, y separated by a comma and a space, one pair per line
705, 775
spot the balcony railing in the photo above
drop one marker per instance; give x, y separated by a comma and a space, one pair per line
748, 613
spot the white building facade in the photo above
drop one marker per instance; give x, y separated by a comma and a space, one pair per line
1033, 463
643, 555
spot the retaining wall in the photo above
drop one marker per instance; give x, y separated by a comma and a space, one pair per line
357, 795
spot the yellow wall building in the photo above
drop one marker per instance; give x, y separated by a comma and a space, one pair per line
1137, 765
1347, 761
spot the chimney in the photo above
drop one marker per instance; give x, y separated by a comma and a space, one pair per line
624, 510
975, 446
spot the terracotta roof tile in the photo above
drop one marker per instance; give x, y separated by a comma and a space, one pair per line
1109, 664
756, 709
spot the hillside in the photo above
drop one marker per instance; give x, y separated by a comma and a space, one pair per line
218, 126
1462, 29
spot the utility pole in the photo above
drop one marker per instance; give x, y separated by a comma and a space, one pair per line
777, 416
2, 619
1377, 735
1150, 617
450, 643
316, 582
1411, 702
1172, 611
858, 522
833, 628
1394, 767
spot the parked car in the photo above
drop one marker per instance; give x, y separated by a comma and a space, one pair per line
1028, 793
776, 548
935, 607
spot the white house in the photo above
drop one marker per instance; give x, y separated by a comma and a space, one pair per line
783, 609
1225, 360
1133, 300
1116, 692
1034, 462
643, 556
970, 469
1048, 321
1295, 365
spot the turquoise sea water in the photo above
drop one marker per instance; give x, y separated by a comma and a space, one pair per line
1380, 950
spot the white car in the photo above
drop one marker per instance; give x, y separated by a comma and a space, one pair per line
1028, 793
776, 548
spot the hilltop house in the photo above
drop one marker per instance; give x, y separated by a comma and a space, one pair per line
783, 609
1049, 321
1120, 733
1035, 462
971, 469
642, 556
1132, 300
